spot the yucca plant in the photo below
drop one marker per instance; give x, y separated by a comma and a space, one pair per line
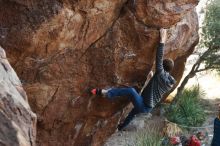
187, 110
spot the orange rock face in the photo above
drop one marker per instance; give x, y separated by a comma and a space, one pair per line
62, 48
162, 13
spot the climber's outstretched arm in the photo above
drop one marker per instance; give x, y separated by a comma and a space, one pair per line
149, 76
159, 54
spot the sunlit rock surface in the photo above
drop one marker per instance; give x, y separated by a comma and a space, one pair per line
17, 121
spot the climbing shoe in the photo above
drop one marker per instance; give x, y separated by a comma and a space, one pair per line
96, 91
120, 127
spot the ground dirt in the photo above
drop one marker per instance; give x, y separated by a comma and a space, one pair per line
129, 136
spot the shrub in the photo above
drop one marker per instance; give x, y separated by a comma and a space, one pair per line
187, 110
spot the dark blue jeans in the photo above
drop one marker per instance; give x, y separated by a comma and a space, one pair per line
136, 99
216, 136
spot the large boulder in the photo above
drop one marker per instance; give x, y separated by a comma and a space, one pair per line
62, 48
162, 13
17, 121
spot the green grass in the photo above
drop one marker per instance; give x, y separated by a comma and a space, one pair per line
187, 110
149, 137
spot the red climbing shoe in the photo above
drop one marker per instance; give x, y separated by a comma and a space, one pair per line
93, 91
96, 91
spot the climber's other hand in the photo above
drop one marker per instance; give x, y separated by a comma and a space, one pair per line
163, 35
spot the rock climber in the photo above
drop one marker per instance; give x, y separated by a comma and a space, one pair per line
160, 83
